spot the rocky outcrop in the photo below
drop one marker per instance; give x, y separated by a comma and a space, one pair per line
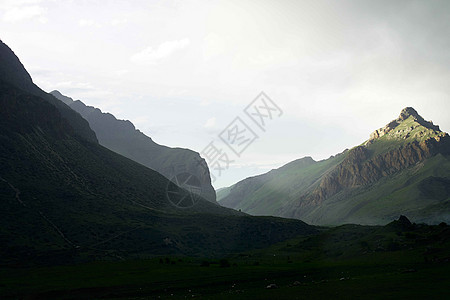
404, 115
122, 137
359, 169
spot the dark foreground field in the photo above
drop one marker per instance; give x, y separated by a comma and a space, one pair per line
394, 261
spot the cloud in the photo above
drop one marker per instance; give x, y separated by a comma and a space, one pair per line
204, 102
210, 123
214, 45
121, 73
84, 22
17, 14
117, 22
152, 56
90, 22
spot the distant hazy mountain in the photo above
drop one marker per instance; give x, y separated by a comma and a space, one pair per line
122, 137
64, 197
404, 168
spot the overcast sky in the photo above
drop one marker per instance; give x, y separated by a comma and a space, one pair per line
181, 71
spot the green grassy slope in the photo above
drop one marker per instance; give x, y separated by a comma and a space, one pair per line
223, 192
267, 194
403, 169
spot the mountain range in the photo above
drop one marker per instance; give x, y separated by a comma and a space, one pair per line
403, 168
68, 195
64, 197
122, 137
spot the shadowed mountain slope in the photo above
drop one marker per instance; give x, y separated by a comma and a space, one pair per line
66, 198
122, 137
13, 72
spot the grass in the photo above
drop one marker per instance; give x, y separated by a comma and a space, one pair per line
341, 262
149, 278
271, 192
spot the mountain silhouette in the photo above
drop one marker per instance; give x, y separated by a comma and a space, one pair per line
13, 72
122, 137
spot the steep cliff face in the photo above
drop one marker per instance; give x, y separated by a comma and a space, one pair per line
360, 168
122, 137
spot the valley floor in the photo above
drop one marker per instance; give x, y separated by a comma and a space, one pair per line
347, 262
375, 278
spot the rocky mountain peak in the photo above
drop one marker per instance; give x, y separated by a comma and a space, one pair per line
408, 126
407, 112
411, 112
67, 100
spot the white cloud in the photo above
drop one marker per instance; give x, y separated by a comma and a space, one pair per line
117, 22
214, 45
17, 14
43, 20
84, 22
121, 73
204, 102
210, 123
10, 4
152, 56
